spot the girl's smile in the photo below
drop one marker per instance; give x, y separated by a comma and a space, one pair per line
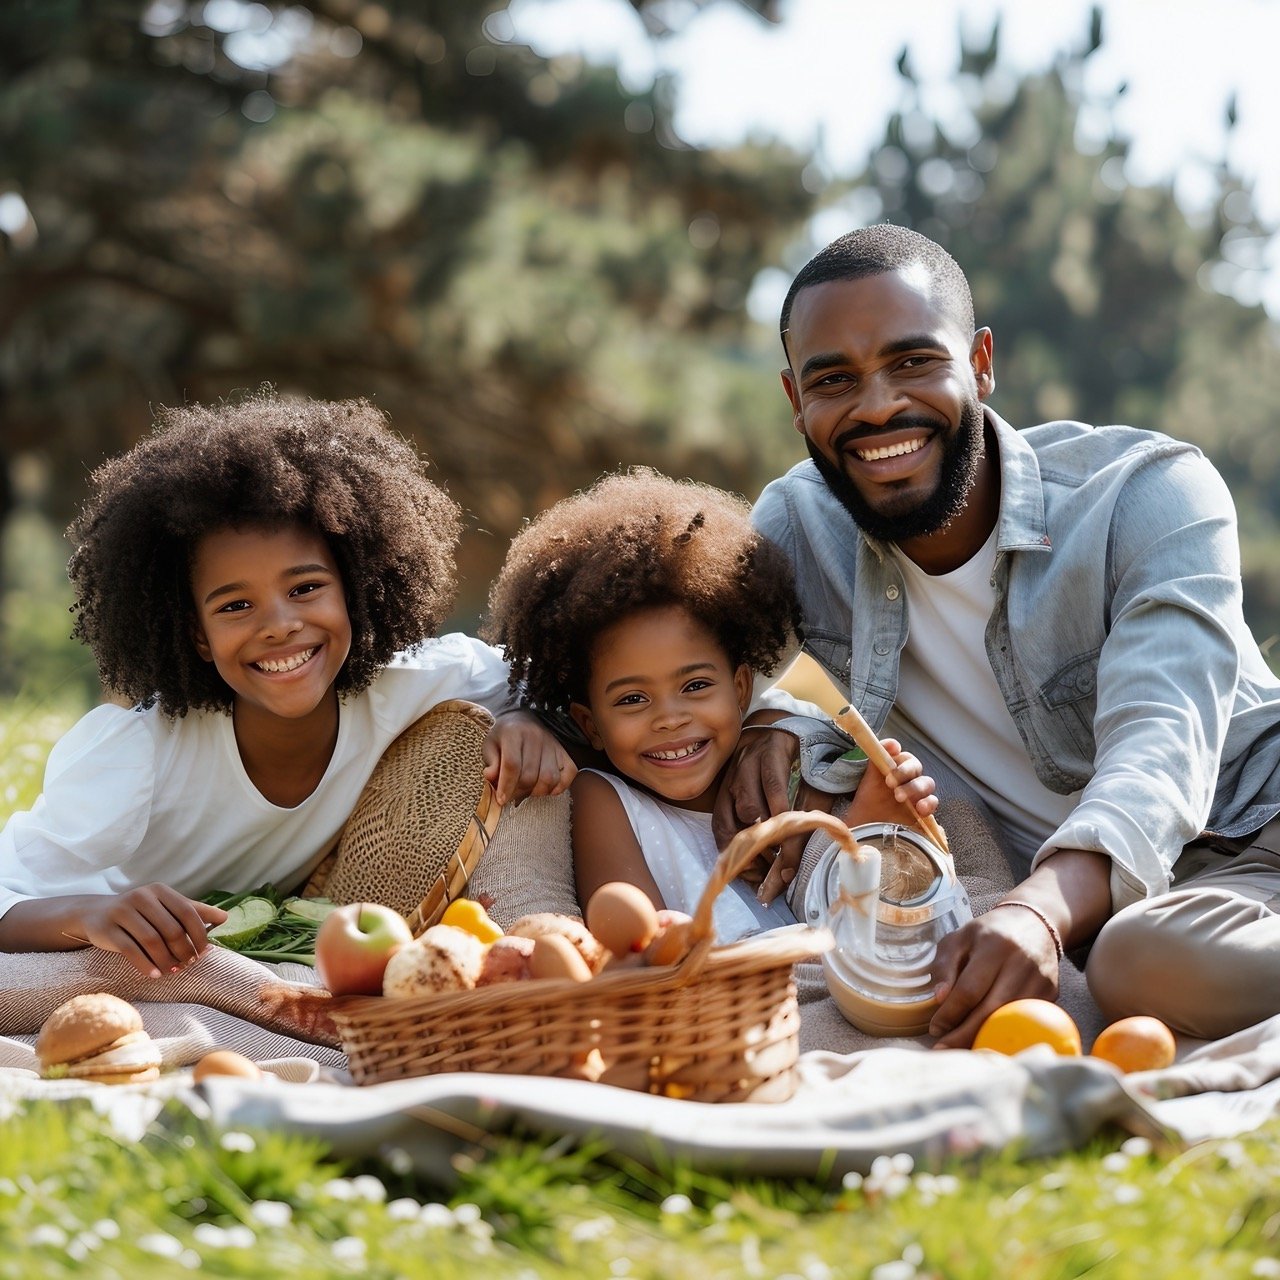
282, 666
678, 755
665, 703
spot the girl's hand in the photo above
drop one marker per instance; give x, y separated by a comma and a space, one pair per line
522, 757
881, 797
157, 929
908, 783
